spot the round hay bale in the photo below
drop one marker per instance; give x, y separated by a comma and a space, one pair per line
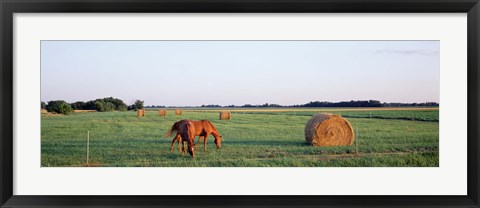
162, 112
329, 130
178, 112
140, 112
225, 115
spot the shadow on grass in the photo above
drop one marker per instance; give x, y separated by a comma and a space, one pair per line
266, 143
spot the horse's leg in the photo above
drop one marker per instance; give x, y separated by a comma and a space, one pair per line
173, 142
179, 139
175, 139
198, 141
183, 148
205, 143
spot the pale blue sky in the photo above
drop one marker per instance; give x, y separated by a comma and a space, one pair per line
191, 73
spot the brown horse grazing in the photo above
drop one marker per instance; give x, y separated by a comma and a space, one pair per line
203, 129
186, 131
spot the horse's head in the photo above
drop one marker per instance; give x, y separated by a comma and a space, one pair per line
218, 142
191, 150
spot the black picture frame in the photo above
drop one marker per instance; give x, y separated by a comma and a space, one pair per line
9, 7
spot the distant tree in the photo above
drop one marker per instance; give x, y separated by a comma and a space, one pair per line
89, 105
139, 104
79, 105
375, 103
351, 103
211, 106
43, 105
103, 106
119, 104
59, 106
132, 107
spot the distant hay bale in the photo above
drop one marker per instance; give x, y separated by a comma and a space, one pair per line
178, 112
141, 112
162, 112
329, 130
225, 115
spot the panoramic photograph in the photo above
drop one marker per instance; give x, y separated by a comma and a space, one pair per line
240, 103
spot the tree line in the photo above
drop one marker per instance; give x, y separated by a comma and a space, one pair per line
100, 105
352, 103
115, 104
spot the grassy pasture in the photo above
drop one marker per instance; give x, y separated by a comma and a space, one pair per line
252, 138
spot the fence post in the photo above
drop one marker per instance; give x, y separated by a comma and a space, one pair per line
88, 144
356, 141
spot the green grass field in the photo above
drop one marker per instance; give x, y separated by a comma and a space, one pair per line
388, 138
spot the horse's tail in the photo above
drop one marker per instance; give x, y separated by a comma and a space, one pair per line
173, 129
